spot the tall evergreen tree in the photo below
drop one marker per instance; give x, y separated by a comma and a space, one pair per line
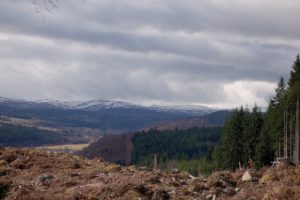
230, 151
266, 144
294, 84
274, 116
280, 93
251, 132
264, 153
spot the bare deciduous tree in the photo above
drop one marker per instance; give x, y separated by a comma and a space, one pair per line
39, 6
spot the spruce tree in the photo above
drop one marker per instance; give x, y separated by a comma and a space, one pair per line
274, 116
230, 150
294, 84
251, 132
264, 153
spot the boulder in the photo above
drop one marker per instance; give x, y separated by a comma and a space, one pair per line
247, 177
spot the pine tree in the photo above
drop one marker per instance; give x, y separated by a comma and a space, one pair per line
274, 116
230, 151
294, 84
252, 132
264, 154
280, 93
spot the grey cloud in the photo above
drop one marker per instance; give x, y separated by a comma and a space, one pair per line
169, 51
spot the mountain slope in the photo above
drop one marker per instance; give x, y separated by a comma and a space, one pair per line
215, 119
105, 115
118, 148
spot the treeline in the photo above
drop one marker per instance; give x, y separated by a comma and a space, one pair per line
241, 140
261, 138
173, 147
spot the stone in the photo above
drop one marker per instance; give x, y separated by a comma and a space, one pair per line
246, 177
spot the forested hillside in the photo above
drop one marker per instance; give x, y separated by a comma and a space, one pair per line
170, 146
252, 135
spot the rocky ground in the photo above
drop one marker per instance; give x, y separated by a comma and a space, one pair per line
37, 174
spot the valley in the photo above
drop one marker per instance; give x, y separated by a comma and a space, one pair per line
60, 122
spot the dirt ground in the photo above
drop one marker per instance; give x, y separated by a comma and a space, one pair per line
38, 174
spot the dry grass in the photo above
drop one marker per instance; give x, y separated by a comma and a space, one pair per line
38, 174
73, 147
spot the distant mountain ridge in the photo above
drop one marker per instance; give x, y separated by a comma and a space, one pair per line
104, 114
95, 105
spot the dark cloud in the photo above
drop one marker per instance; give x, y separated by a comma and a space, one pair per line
170, 51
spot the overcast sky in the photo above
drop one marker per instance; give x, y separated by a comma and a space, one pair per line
221, 53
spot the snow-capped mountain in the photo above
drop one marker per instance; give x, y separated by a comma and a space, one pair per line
103, 114
96, 105
92, 105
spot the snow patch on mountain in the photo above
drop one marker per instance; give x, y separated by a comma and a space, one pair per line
96, 105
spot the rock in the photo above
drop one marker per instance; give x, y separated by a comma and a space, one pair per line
44, 177
209, 196
247, 177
